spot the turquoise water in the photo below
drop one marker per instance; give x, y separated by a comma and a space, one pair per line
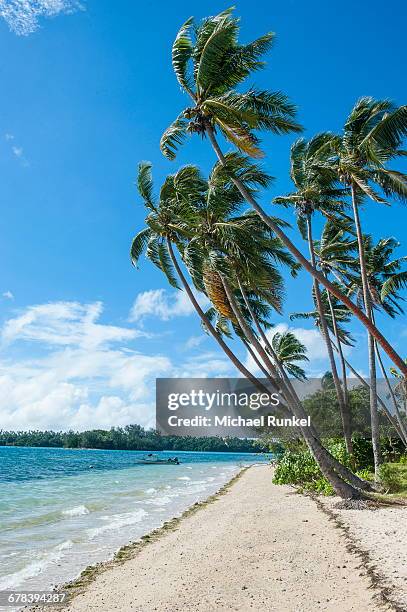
61, 510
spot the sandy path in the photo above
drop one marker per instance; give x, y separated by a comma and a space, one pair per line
258, 547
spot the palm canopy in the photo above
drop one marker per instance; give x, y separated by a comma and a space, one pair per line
222, 240
315, 181
385, 277
341, 313
210, 64
372, 136
290, 350
205, 221
165, 211
336, 249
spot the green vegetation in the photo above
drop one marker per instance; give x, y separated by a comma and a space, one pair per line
296, 466
393, 477
131, 437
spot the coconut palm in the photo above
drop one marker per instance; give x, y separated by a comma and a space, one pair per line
384, 280
234, 248
169, 222
316, 191
372, 137
289, 351
384, 275
211, 65
163, 231
335, 253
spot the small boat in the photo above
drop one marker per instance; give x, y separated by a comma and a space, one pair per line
156, 460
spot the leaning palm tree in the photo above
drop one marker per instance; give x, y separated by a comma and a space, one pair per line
335, 251
235, 248
316, 191
163, 231
385, 278
172, 221
372, 137
210, 65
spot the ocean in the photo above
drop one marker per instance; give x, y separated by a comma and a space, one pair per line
61, 509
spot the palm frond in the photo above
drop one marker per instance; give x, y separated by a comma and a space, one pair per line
138, 245
181, 55
173, 137
145, 184
157, 252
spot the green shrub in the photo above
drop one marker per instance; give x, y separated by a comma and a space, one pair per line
300, 468
393, 477
403, 460
296, 468
363, 453
337, 448
365, 474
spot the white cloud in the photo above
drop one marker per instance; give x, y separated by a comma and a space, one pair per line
86, 373
65, 324
16, 150
8, 295
195, 341
23, 16
206, 365
82, 380
162, 304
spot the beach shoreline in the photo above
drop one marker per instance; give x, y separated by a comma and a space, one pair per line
251, 545
130, 550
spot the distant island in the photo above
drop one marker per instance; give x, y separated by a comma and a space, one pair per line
130, 437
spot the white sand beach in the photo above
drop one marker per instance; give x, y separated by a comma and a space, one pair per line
257, 547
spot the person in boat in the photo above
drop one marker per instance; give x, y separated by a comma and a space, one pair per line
173, 460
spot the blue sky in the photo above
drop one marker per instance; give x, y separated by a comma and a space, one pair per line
88, 89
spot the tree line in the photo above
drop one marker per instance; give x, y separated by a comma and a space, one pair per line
200, 235
131, 437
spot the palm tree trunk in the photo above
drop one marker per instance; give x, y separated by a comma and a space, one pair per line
236, 362
343, 471
279, 366
347, 425
345, 416
374, 413
246, 329
400, 423
323, 458
255, 358
379, 399
389, 350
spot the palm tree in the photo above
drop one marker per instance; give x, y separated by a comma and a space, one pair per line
400, 389
316, 190
384, 279
162, 232
372, 136
210, 65
289, 351
334, 251
172, 221
337, 312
